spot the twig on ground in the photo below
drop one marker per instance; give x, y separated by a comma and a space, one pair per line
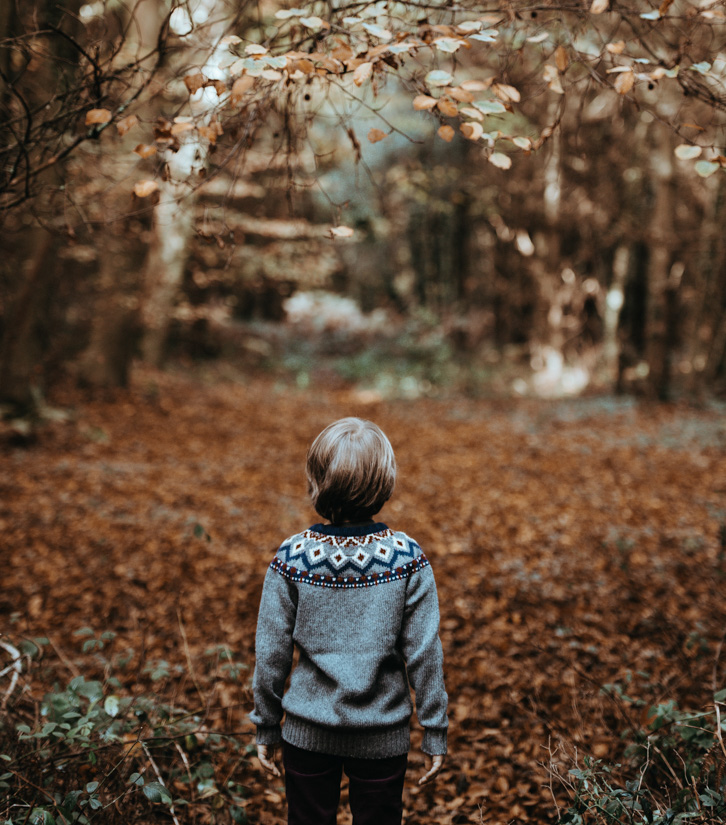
15, 667
161, 781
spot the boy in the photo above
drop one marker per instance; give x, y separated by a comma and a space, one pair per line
359, 602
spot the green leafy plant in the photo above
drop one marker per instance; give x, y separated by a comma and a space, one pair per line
89, 752
673, 771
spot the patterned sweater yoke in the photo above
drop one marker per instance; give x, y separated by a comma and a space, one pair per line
348, 561
359, 603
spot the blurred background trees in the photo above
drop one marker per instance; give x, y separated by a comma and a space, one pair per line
539, 185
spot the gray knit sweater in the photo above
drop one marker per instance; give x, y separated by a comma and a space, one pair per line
360, 606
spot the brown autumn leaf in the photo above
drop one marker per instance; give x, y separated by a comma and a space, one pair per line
375, 135
446, 133
422, 102
144, 188
506, 93
462, 95
181, 126
562, 60
377, 51
552, 78
240, 88
476, 85
472, 131
624, 82
616, 48
447, 107
211, 132
342, 51
306, 66
145, 150
95, 117
126, 123
362, 73
194, 82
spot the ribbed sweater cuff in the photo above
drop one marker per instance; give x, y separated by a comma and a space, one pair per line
434, 741
359, 743
269, 735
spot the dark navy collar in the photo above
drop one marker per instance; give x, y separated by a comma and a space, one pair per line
348, 529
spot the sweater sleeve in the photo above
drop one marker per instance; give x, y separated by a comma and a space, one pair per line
274, 651
424, 659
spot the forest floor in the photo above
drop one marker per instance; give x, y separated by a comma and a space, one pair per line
575, 545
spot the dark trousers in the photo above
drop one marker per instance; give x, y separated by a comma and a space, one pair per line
312, 785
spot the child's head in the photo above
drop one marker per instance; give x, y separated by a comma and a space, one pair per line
351, 470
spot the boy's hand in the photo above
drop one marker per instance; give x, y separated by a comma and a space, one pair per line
436, 763
267, 754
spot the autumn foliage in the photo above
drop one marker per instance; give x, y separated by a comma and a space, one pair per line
577, 549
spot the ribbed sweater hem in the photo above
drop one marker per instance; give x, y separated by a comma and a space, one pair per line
358, 743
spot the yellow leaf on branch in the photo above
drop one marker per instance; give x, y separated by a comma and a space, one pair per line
472, 131
447, 107
362, 73
562, 61
240, 88
97, 116
477, 85
211, 132
375, 135
194, 82
144, 188
145, 150
552, 78
446, 133
183, 126
506, 93
462, 95
306, 66
421, 102
126, 123
624, 82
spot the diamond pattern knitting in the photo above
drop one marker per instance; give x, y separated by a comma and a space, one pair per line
348, 561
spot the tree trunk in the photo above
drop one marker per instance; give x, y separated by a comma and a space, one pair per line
662, 291
174, 211
107, 359
166, 258
614, 301
709, 322
114, 334
22, 346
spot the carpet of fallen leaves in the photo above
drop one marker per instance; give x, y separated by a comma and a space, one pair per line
575, 544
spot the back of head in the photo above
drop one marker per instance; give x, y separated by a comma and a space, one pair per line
351, 470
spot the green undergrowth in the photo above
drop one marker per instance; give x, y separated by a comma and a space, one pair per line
92, 751
672, 771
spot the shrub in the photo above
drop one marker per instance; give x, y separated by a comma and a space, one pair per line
89, 753
673, 771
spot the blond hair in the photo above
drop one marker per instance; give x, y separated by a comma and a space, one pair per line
351, 470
